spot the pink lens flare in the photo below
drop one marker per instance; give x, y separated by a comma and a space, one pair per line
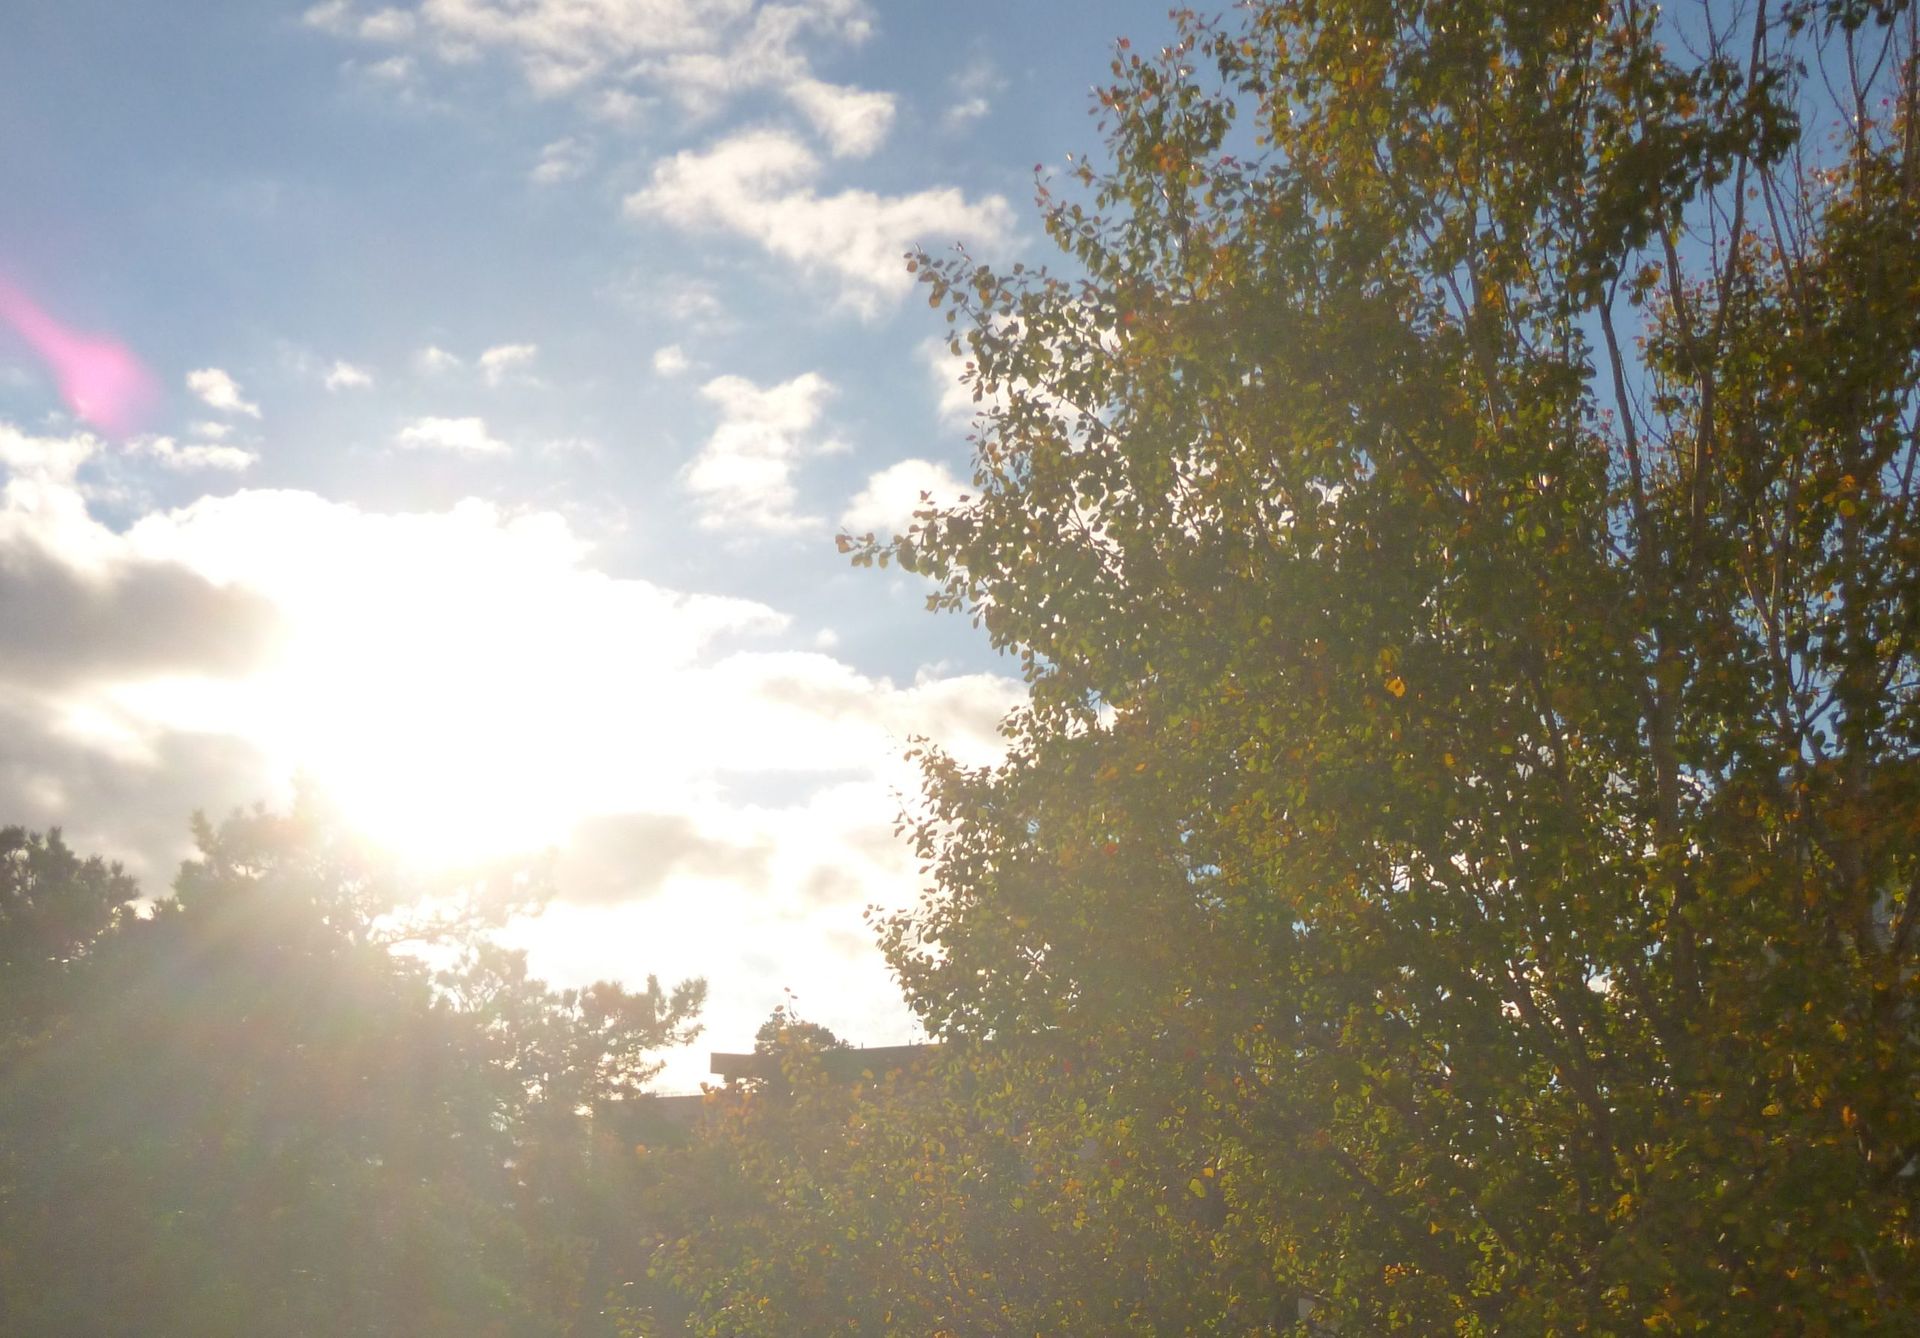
102, 382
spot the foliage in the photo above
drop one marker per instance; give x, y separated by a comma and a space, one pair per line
975, 1191
785, 1030
814, 1205
1461, 536
245, 1112
53, 904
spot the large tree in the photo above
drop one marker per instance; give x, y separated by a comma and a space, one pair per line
1457, 516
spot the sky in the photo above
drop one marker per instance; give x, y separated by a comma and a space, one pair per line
453, 403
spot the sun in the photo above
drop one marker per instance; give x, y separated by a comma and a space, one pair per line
459, 684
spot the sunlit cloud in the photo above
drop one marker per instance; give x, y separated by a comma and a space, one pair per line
690, 302
760, 185
393, 70
82, 613
965, 111
193, 455
790, 880
853, 121
562, 160
467, 682
378, 25
610, 54
463, 681
742, 479
461, 436
974, 88
891, 497
469, 678
434, 360
459, 680
345, 376
100, 380
387, 25
218, 391
334, 16
505, 362
615, 106
33, 461
805, 711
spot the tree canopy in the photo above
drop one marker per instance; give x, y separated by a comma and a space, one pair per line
1456, 514
245, 1112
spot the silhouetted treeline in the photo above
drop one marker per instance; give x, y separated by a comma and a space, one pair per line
240, 1110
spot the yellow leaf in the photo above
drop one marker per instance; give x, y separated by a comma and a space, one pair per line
1397, 686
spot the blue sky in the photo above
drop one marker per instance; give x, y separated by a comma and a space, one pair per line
519, 361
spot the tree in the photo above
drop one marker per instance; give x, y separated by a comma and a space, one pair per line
971, 1189
785, 1031
905, 1200
247, 1111
53, 904
1459, 529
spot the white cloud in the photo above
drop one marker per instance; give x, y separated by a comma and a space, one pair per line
886, 505
463, 680
334, 16
505, 362
974, 88
82, 610
195, 455
615, 106
466, 682
804, 711
759, 185
742, 479
434, 360
670, 360
462, 436
562, 160
561, 42
458, 678
35, 460
690, 302
792, 876
965, 111
387, 25
345, 376
700, 52
389, 70
853, 121
217, 390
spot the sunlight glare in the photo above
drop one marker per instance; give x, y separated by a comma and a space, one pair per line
458, 683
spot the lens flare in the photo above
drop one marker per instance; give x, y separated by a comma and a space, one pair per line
101, 381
